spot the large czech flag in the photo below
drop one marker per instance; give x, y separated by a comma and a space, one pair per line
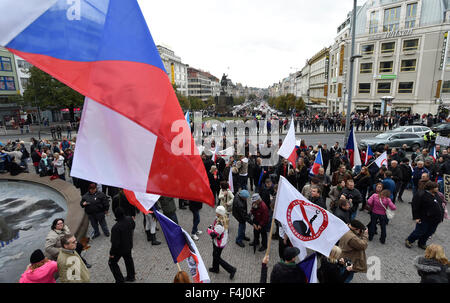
352, 149
133, 133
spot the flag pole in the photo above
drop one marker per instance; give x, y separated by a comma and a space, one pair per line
179, 268
273, 223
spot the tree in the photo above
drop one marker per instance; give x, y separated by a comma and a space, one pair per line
196, 103
252, 97
49, 93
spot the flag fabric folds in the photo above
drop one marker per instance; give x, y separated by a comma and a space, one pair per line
318, 163
309, 267
130, 103
306, 224
288, 149
144, 202
230, 179
382, 160
369, 154
433, 154
352, 149
188, 119
182, 247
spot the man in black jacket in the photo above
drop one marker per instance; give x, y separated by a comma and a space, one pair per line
326, 157
287, 271
343, 211
397, 176
428, 212
121, 246
353, 196
406, 177
240, 213
96, 205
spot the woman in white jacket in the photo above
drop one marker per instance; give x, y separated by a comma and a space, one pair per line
219, 234
58, 163
226, 196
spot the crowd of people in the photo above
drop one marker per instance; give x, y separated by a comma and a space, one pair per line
338, 187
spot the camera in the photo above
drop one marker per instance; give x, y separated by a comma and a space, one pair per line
348, 262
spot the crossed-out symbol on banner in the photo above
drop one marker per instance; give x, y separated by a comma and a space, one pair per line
305, 231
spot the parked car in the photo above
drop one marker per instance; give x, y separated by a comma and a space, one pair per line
442, 129
397, 140
417, 129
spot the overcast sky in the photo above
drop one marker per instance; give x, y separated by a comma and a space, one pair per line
256, 42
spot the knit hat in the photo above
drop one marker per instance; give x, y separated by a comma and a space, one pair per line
221, 211
37, 256
256, 197
244, 194
290, 253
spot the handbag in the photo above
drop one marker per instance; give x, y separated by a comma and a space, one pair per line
389, 213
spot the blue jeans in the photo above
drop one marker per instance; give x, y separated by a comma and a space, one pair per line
196, 221
241, 233
423, 231
353, 215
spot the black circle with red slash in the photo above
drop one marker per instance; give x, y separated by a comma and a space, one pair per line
302, 204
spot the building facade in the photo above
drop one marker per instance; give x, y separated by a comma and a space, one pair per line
339, 55
318, 79
175, 69
402, 44
9, 87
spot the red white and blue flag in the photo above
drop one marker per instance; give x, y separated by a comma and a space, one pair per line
309, 267
433, 153
318, 163
352, 149
133, 133
182, 247
288, 149
143, 202
369, 154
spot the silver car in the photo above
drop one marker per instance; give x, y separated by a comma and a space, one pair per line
416, 129
396, 140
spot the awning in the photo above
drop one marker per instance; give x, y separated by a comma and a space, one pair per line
362, 108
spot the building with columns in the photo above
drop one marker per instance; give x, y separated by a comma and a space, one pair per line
175, 69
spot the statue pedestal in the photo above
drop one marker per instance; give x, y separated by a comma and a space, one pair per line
223, 104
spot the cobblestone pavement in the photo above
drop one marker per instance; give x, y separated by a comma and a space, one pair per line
154, 263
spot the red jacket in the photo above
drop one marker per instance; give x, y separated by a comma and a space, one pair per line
260, 214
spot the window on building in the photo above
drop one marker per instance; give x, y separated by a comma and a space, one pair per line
24, 64
386, 67
367, 49
410, 45
373, 22
5, 64
366, 68
405, 87
384, 88
24, 82
411, 12
364, 88
409, 65
391, 19
7, 83
446, 87
387, 47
